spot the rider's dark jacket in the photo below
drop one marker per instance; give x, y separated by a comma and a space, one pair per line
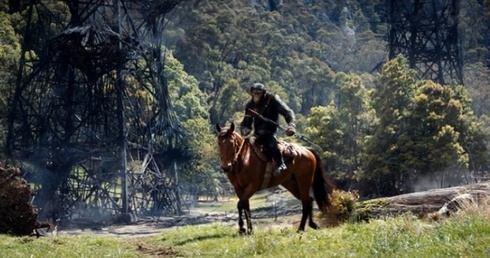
270, 106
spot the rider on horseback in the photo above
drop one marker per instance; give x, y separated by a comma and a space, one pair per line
269, 106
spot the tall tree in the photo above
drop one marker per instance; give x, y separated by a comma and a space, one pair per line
445, 137
427, 134
477, 83
384, 171
434, 130
9, 54
340, 128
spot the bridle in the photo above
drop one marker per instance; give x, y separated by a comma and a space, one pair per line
237, 152
236, 147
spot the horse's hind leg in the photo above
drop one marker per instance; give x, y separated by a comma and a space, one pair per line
307, 213
292, 187
306, 202
300, 191
311, 223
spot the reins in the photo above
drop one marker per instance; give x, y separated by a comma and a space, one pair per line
235, 159
238, 149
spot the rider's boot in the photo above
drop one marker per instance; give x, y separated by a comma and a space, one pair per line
280, 166
276, 156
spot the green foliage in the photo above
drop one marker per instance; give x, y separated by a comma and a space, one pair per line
340, 127
444, 129
364, 209
383, 164
10, 48
343, 205
4, 6
433, 129
231, 40
477, 84
320, 127
394, 89
425, 130
189, 103
9, 56
475, 27
188, 100
232, 98
385, 139
195, 151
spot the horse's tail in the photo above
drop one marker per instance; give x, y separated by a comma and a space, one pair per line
322, 186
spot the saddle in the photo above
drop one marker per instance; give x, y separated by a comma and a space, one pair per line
288, 151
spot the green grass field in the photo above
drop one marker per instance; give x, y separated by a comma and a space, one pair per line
229, 204
464, 235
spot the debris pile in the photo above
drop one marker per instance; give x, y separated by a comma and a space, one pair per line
17, 215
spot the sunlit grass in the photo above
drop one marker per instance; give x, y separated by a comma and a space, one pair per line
465, 234
66, 246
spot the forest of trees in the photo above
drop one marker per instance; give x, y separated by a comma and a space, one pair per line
381, 128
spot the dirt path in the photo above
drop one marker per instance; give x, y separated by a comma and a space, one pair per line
150, 225
278, 215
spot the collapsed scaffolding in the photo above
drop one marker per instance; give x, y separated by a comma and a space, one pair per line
427, 33
74, 129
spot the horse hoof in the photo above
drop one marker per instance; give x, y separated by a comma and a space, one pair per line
314, 226
242, 231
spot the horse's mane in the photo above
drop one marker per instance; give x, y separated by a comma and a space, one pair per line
238, 137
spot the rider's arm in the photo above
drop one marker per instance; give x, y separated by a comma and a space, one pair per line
247, 119
284, 110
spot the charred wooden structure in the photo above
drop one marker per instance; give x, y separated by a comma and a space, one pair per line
75, 132
426, 33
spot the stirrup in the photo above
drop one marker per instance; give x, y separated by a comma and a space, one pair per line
279, 169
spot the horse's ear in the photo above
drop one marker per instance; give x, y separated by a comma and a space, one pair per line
218, 128
232, 127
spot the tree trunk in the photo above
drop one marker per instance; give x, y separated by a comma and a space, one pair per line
424, 203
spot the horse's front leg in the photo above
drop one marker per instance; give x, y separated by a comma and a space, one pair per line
244, 206
241, 229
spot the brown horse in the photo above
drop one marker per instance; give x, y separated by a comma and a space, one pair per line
247, 172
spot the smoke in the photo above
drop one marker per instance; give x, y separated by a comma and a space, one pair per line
441, 180
425, 183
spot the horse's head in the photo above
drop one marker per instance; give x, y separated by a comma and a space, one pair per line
228, 142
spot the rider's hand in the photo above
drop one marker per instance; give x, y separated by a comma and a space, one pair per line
245, 131
291, 130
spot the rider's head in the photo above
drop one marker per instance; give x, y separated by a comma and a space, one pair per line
257, 90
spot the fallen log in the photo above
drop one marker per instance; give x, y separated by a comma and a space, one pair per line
423, 203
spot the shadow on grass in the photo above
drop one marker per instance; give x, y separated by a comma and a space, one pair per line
207, 237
